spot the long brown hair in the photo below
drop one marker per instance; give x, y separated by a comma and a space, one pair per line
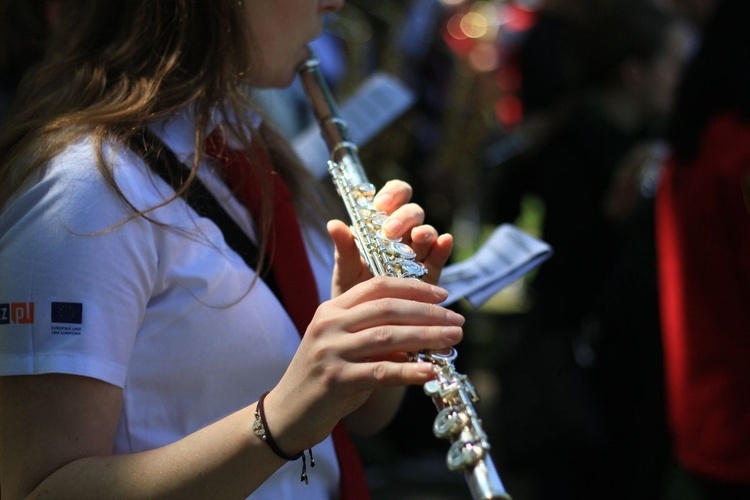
114, 66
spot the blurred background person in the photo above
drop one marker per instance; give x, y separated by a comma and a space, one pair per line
582, 402
703, 236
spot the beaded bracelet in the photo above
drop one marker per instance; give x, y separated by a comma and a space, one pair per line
260, 427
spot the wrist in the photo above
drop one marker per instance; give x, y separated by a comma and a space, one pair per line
262, 430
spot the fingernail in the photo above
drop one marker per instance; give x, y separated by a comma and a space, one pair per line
452, 334
455, 318
392, 227
426, 368
382, 199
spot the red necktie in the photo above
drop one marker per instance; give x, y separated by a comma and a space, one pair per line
291, 270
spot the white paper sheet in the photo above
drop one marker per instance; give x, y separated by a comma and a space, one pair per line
379, 101
507, 255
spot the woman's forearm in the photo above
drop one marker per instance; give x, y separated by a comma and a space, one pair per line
223, 460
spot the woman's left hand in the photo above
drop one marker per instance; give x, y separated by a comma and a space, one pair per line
405, 221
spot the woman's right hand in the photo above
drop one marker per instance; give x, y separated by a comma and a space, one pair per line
355, 344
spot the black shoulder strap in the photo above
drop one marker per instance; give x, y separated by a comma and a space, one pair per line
163, 161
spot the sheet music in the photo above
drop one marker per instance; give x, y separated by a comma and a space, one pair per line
379, 101
507, 255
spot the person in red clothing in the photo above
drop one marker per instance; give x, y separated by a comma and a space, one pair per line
703, 241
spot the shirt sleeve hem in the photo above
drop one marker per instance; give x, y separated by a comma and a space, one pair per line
64, 364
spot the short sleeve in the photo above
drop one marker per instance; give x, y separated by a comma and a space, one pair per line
76, 270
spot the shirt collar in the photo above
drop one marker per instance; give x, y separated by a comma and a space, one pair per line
178, 132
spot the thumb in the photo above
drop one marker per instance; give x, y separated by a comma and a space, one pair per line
348, 261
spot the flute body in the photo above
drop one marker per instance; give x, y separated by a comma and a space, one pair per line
452, 392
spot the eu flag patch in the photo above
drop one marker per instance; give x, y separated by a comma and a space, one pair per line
67, 312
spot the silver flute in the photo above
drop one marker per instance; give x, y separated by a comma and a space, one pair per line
453, 394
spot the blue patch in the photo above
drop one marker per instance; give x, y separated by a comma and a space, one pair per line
70, 313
